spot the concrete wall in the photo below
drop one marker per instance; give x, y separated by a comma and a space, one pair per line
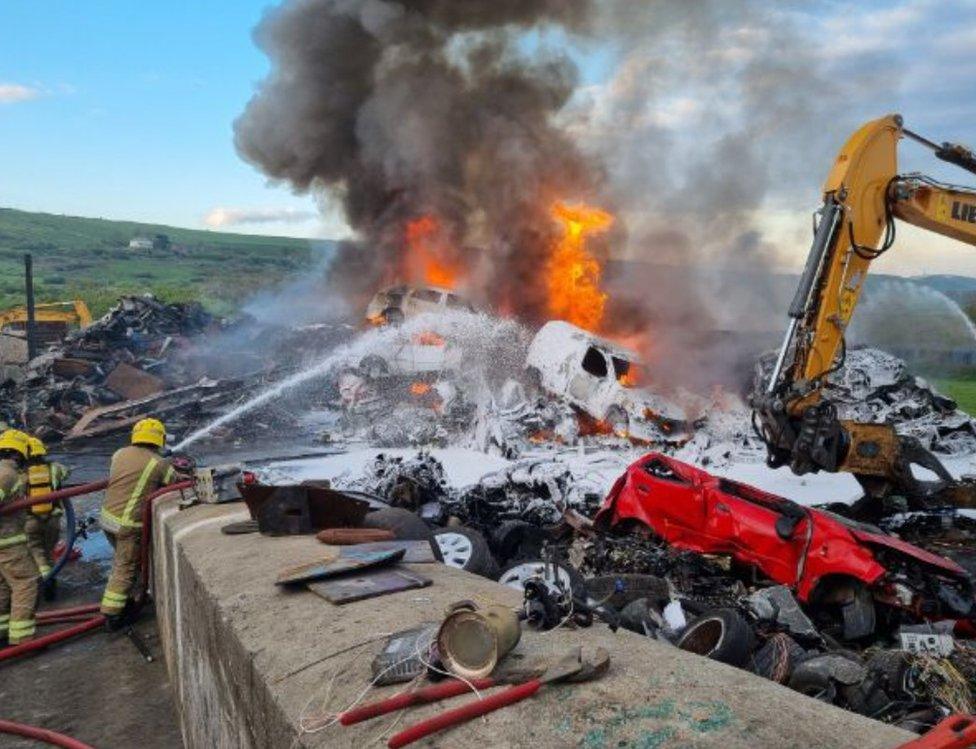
234, 644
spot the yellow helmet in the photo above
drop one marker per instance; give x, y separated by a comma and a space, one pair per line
37, 448
14, 439
149, 432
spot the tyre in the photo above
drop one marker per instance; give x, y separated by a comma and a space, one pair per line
374, 367
466, 549
722, 635
406, 526
516, 540
516, 575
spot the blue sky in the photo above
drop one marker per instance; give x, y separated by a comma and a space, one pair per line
124, 109
132, 110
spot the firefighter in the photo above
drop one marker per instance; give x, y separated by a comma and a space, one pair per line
43, 526
19, 577
137, 471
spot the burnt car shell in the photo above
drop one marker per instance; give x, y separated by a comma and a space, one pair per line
790, 544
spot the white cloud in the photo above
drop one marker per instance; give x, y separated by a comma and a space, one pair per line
12, 93
221, 217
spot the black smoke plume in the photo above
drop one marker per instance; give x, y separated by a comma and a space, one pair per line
416, 107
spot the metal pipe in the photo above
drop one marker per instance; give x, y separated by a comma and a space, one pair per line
31, 312
921, 139
781, 358
42, 734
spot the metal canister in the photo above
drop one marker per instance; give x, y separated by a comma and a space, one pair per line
472, 639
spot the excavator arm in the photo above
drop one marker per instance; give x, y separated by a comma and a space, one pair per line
863, 195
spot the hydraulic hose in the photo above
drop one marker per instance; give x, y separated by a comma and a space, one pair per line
42, 734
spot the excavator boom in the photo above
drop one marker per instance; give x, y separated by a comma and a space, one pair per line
863, 195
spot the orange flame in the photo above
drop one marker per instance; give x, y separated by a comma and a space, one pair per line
572, 273
628, 379
420, 388
430, 257
428, 338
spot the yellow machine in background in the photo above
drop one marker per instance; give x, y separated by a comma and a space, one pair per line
863, 195
53, 319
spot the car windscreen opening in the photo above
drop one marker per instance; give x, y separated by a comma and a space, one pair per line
595, 363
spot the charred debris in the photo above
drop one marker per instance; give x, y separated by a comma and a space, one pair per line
896, 643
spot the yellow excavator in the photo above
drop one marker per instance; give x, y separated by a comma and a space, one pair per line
863, 195
53, 319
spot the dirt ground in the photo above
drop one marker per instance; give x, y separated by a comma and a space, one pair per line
96, 688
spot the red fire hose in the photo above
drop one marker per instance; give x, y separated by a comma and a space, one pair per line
147, 529
42, 734
68, 493
86, 617
96, 620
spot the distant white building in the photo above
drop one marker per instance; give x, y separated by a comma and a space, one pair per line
155, 242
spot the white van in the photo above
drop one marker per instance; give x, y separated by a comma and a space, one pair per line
603, 380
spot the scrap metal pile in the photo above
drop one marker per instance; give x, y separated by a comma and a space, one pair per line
101, 378
849, 613
874, 386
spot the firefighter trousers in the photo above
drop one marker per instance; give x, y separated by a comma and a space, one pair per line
43, 532
125, 569
18, 593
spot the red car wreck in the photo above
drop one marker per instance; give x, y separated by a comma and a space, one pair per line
828, 561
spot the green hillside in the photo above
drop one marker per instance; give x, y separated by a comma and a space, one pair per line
90, 259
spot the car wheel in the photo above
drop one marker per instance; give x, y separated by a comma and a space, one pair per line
393, 316
374, 367
466, 549
618, 421
721, 634
517, 574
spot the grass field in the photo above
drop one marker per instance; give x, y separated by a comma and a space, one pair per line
960, 389
89, 259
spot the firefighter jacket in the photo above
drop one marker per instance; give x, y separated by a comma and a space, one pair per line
13, 487
136, 473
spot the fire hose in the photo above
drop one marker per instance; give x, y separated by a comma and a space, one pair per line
85, 618
42, 734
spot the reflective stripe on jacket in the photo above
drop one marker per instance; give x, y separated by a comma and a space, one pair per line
135, 474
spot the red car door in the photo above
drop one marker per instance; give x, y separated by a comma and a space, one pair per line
742, 521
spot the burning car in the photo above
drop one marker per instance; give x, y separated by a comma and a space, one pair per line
601, 379
854, 573
394, 305
410, 355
